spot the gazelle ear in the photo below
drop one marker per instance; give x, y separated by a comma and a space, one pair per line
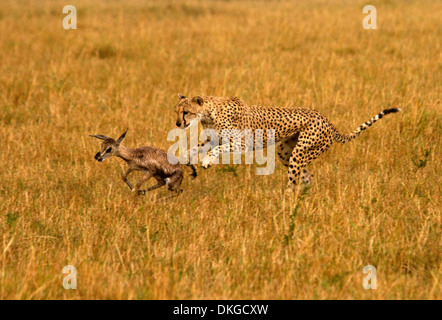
181, 96
99, 136
198, 100
121, 138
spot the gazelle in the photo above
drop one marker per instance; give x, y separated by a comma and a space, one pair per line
153, 162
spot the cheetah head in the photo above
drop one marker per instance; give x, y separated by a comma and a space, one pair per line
189, 111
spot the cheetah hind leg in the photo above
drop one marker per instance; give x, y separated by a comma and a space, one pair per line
300, 159
285, 149
306, 179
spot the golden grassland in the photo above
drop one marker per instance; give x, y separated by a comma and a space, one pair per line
231, 234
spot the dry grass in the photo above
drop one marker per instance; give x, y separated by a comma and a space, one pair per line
231, 234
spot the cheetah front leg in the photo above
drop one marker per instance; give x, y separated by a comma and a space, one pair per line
237, 147
213, 155
195, 150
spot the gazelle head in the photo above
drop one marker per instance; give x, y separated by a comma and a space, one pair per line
109, 147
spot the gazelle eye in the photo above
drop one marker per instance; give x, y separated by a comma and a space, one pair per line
109, 150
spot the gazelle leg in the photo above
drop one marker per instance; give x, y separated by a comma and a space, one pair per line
174, 182
146, 177
193, 174
160, 183
124, 177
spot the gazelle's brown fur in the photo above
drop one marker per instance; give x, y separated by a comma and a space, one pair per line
153, 162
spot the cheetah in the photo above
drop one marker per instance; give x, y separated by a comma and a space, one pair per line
301, 134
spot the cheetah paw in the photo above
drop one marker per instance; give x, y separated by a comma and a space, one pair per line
307, 177
206, 162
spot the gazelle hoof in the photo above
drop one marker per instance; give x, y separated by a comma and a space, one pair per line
141, 192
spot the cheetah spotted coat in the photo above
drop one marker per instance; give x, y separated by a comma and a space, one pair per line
301, 134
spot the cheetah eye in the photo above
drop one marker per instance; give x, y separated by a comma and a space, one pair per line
109, 150
185, 112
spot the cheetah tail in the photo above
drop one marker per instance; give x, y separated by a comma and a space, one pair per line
193, 174
343, 138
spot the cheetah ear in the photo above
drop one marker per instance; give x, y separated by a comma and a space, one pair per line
181, 96
198, 100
